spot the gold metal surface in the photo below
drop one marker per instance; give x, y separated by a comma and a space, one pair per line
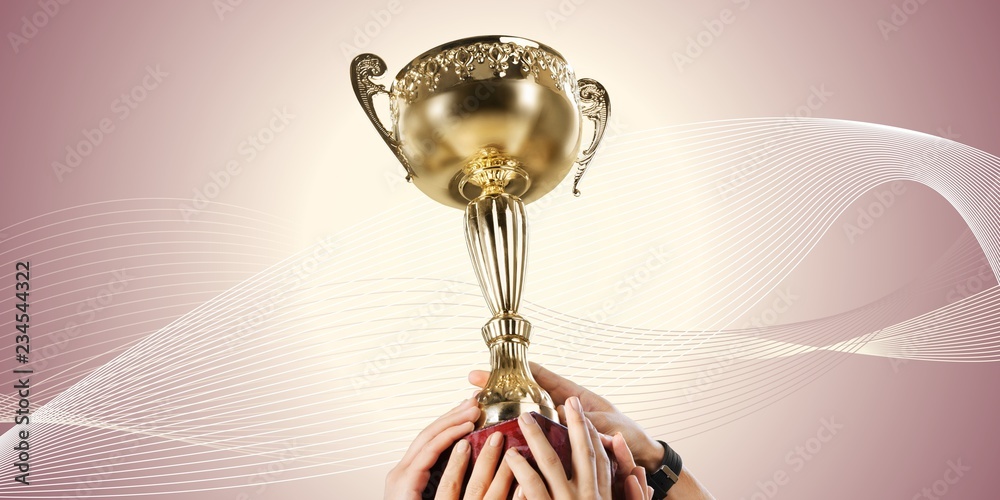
489, 124
492, 172
497, 235
513, 94
363, 68
595, 106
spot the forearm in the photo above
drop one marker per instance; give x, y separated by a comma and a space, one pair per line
688, 488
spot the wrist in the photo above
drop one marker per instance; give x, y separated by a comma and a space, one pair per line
650, 456
667, 475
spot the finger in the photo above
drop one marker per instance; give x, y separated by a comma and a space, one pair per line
639, 473
467, 411
454, 473
626, 462
529, 482
558, 387
429, 454
606, 440
633, 491
561, 411
500, 487
479, 378
604, 481
547, 459
486, 466
583, 453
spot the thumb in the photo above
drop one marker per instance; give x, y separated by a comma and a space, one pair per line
479, 378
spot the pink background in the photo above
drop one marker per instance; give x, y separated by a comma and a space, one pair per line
326, 173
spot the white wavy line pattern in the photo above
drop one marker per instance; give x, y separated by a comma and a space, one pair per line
329, 360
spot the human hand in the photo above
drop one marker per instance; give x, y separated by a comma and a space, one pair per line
484, 483
408, 479
606, 418
630, 480
591, 465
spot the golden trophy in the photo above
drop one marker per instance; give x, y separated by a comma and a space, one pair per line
487, 124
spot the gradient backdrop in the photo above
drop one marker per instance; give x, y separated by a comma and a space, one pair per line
783, 261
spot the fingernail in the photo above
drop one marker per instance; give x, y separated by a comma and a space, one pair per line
518, 493
462, 446
574, 402
496, 439
527, 418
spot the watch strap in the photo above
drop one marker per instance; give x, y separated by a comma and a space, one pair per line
667, 475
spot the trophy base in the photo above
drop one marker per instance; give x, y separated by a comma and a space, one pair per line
557, 434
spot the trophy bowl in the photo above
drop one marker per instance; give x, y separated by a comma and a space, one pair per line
486, 114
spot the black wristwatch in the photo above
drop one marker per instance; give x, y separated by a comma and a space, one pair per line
667, 475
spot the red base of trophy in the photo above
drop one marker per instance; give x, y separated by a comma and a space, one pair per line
557, 433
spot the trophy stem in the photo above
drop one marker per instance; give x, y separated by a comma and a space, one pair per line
496, 233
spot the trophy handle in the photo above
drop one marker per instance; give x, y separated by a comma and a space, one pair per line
363, 68
595, 105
